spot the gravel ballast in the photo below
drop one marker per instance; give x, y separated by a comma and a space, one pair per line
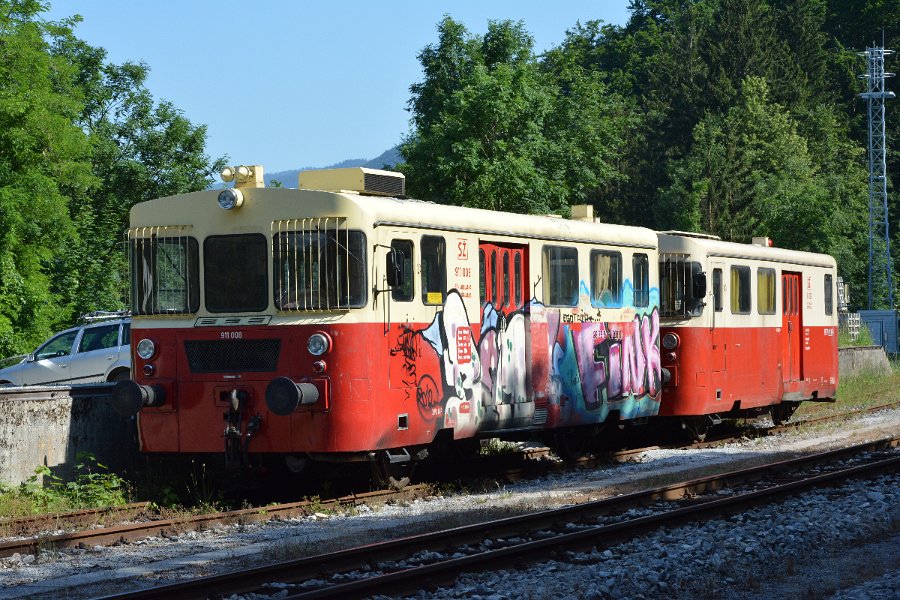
834, 542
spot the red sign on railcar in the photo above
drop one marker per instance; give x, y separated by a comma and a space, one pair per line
464, 345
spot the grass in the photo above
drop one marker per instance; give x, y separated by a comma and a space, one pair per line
44, 492
863, 339
860, 391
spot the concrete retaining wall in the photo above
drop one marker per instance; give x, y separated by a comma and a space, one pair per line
48, 426
860, 359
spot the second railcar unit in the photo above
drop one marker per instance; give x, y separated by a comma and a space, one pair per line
746, 328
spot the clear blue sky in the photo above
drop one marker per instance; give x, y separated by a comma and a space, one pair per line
296, 84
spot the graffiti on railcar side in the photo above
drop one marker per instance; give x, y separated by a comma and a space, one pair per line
407, 348
481, 374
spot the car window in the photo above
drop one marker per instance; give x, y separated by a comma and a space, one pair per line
126, 334
99, 338
61, 345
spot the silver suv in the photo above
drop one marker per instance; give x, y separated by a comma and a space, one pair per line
99, 350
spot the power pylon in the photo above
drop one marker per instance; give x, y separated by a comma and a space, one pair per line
880, 276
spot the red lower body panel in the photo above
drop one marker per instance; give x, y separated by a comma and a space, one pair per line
715, 371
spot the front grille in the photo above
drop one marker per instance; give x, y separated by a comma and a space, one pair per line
232, 356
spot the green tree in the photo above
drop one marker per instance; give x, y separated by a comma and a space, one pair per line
44, 158
750, 172
141, 149
493, 129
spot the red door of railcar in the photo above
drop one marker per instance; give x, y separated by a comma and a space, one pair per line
504, 295
791, 328
505, 276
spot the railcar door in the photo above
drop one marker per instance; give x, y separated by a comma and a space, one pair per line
791, 327
506, 336
400, 319
717, 353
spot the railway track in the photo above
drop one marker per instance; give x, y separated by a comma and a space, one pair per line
108, 535
36, 524
409, 564
112, 528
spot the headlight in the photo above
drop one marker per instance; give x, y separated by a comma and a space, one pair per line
318, 344
230, 198
670, 341
146, 349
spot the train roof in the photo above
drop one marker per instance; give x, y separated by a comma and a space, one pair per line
278, 204
674, 241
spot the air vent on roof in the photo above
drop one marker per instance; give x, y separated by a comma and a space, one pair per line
355, 179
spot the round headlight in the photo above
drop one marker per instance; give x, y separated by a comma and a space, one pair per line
146, 349
670, 341
230, 198
318, 344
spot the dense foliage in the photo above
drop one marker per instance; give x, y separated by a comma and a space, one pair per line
81, 141
739, 118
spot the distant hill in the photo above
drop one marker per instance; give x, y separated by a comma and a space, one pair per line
385, 160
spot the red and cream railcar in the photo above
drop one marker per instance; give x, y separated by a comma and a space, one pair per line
341, 321
746, 328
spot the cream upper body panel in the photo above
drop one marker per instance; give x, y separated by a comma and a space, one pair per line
704, 247
262, 206
818, 273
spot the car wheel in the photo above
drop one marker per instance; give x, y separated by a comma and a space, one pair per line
121, 376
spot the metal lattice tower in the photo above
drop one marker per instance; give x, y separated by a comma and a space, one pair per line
880, 277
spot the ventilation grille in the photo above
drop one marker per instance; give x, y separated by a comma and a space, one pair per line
390, 185
232, 356
354, 179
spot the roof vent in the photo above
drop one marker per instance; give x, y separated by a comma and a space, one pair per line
355, 179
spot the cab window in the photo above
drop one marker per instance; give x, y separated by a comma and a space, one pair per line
434, 269
717, 290
404, 251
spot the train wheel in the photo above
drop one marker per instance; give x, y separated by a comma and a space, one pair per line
696, 427
393, 475
781, 412
571, 445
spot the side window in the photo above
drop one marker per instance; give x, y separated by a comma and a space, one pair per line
740, 290
99, 338
829, 295
126, 334
717, 290
606, 278
560, 271
765, 291
434, 269
482, 275
404, 250
61, 345
640, 277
